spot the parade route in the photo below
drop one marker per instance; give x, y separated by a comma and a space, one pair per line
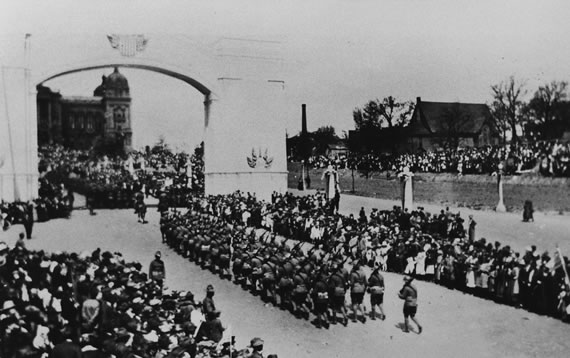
455, 324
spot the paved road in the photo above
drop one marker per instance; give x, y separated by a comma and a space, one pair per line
455, 324
508, 228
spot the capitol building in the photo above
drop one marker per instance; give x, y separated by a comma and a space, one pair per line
102, 121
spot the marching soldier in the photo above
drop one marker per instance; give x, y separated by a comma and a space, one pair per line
357, 288
409, 294
300, 293
376, 289
337, 287
320, 296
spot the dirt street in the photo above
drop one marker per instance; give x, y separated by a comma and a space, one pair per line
455, 324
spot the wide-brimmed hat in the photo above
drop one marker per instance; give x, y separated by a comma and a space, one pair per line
256, 342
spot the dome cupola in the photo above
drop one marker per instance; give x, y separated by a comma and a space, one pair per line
116, 84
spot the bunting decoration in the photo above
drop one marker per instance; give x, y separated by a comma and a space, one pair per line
256, 158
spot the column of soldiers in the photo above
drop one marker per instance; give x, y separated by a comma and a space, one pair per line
297, 276
430, 247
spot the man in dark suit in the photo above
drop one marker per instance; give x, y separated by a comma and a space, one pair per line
29, 219
472, 225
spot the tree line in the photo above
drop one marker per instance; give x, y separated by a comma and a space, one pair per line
382, 122
544, 117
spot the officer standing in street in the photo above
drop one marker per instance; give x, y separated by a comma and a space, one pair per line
157, 270
208, 305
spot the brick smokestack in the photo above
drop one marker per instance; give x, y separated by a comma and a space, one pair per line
303, 119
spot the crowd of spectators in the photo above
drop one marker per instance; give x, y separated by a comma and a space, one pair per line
106, 182
437, 247
546, 158
53, 201
113, 182
96, 305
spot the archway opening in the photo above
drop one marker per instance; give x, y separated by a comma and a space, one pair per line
80, 106
116, 110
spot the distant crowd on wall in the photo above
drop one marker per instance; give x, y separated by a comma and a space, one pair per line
439, 247
97, 304
545, 158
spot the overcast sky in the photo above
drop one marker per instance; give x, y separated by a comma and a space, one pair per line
341, 53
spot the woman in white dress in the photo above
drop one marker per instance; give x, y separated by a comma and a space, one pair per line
410, 267
421, 264
471, 262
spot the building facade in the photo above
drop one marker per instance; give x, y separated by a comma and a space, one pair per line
445, 124
101, 121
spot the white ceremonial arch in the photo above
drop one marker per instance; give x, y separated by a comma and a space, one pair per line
242, 81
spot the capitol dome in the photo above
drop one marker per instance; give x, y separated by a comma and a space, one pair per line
116, 80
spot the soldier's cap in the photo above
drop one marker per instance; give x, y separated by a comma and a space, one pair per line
210, 288
256, 342
157, 254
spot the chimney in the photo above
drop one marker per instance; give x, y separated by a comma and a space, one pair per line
303, 119
418, 100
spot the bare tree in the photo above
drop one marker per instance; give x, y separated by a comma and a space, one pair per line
395, 113
508, 107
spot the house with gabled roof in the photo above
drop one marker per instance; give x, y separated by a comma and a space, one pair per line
436, 125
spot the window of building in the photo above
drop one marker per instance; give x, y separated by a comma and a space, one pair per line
80, 121
119, 115
72, 122
90, 122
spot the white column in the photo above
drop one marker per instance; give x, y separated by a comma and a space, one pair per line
407, 191
18, 137
501, 205
242, 123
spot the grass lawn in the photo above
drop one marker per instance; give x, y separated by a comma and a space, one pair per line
476, 192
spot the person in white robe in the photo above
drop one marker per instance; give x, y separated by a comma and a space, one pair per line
330, 175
